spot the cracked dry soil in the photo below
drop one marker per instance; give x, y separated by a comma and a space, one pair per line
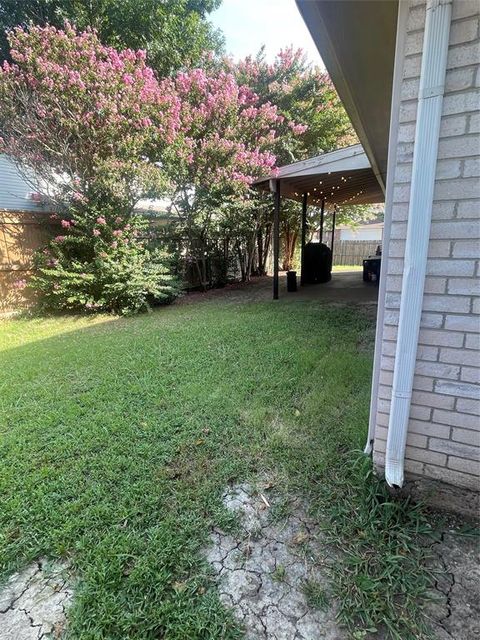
454, 612
262, 573
33, 603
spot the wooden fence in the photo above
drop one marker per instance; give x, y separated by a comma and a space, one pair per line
352, 252
21, 233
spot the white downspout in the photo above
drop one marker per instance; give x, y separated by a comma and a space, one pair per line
430, 99
392, 152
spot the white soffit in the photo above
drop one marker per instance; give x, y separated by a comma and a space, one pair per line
356, 39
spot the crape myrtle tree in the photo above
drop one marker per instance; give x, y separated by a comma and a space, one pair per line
225, 141
174, 33
221, 218
90, 121
313, 121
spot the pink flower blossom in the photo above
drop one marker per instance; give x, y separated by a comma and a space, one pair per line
66, 224
101, 220
59, 238
89, 92
297, 129
20, 284
117, 233
79, 197
96, 232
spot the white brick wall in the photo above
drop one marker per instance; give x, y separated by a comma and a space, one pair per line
444, 430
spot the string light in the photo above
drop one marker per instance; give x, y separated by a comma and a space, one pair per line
334, 190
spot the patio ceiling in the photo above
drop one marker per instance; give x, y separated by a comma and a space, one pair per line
344, 176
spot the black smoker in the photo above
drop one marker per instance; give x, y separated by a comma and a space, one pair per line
317, 263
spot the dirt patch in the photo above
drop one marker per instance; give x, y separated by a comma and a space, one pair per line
266, 571
33, 603
273, 573
455, 609
344, 289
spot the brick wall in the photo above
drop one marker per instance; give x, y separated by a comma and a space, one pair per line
444, 430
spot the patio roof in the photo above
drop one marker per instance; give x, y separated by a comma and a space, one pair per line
343, 176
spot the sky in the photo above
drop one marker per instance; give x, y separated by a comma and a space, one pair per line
249, 24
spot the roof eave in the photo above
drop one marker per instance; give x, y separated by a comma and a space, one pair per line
344, 70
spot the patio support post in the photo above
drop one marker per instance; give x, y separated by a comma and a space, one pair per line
276, 238
333, 229
322, 210
304, 234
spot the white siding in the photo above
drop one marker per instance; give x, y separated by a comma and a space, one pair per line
15, 193
361, 233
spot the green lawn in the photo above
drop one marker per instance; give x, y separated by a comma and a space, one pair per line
345, 267
118, 437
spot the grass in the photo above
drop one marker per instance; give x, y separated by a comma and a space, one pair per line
346, 267
118, 436
381, 577
316, 595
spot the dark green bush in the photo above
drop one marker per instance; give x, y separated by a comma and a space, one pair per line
102, 263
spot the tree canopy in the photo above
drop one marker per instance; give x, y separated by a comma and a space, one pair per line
174, 33
85, 117
314, 119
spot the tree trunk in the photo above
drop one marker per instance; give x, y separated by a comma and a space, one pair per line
263, 246
241, 261
289, 243
251, 252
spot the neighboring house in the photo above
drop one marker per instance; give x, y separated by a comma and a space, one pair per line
407, 73
365, 232
16, 194
20, 195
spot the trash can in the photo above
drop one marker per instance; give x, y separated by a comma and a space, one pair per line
317, 263
291, 281
371, 268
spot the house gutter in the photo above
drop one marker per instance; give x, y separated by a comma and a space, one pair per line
430, 100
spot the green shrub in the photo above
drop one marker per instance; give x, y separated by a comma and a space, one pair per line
102, 263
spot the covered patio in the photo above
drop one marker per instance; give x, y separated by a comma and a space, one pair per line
340, 177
